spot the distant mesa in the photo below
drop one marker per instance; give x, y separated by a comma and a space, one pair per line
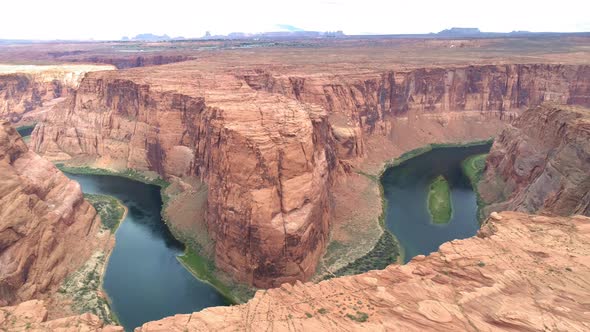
151, 37
286, 32
459, 32
521, 32
475, 32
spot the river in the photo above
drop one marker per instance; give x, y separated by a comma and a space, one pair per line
406, 190
145, 281
143, 278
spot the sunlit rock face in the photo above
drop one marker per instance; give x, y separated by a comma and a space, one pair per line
47, 229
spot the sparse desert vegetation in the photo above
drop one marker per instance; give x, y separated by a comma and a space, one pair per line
473, 167
110, 209
205, 270
84, 289
385, 252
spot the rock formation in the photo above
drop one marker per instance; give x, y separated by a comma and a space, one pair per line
541, 163
32, 316
47, 229
266, 163
268, 143
26, 88
484, 283
368, 98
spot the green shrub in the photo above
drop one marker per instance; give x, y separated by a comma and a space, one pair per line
360, 316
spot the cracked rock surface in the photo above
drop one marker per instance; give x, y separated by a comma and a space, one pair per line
521, 273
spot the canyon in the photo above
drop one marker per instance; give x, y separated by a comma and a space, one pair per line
272, 157
268, 144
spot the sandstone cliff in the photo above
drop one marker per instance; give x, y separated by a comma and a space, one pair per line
541, 163
47, 229
368, 99
24, 89
484, 283
470, 88
268, 143
265, 158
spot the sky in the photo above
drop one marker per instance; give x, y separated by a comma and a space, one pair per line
112, 19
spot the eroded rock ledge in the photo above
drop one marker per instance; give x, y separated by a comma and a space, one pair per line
541, 162
32, 316
521, 272
47, 229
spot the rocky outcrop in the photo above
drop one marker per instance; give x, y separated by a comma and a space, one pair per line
24, 89
541, 162
47, 229
267, 163
32, 316
520, 273
269, 143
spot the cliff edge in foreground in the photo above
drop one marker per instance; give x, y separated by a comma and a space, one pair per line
541, 162
483, 283
32, 316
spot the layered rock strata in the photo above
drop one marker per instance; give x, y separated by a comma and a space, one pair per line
368, 98
47, 229
520, 273
28, 88
268, 143
541, 162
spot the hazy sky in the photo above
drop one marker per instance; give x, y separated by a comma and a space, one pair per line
112, 19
